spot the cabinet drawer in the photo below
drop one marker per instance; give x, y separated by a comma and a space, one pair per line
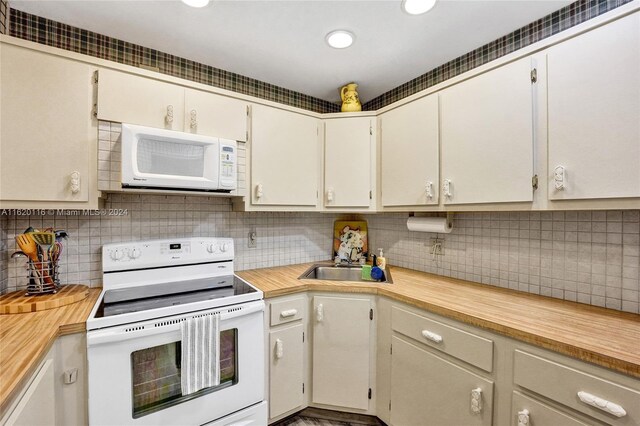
538, 413
465, 346
286, 311
562, 384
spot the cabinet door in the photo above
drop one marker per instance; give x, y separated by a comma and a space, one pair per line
47, 128
410, 154
284, 158
487, 137
37, 405
215, 115
128, 98
286, 370
341, 339
425, 386
348, 162
594, 113
535, 412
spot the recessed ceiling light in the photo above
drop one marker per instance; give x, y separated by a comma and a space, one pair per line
196, 3
417, 7
340, 39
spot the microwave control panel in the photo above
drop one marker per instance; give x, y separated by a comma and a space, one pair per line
228, 162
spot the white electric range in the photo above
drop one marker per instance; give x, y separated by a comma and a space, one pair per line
134, 337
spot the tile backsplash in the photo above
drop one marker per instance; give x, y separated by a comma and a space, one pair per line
590, 257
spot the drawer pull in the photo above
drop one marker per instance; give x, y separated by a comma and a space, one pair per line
523, 418
476, 401
320, 313
602, 404
289, 313
432, 336
279, 349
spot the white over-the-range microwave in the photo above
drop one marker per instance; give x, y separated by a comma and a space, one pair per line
158, 158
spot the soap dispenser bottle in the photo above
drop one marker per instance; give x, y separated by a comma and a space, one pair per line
381, 261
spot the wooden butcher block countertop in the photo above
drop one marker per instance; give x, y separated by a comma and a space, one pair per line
26, 338
601, 336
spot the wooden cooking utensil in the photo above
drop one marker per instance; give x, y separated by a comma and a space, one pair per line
29, 248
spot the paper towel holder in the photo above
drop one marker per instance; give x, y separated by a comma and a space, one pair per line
449, 218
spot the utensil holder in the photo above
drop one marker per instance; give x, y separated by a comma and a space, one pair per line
42, 278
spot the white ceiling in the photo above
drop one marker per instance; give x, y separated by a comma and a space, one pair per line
283, 42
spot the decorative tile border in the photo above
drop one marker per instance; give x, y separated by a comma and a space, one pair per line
565, 18
51, 33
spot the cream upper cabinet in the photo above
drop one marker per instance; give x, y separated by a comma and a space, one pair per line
410, 154
48, 140
341, 351
349, 162
128, 98
215, 115
487, 137
284, 156
594, 113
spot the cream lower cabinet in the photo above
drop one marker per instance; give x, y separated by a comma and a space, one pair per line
410, 158
350, 163
49, 399
284, 156
342, 352
594, 113
487, 136
48, 138
427, 389
287, 343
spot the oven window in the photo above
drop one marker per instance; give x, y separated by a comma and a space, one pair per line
156, 374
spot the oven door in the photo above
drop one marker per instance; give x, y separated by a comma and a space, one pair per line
134, 370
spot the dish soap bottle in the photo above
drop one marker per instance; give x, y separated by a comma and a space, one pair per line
381, 261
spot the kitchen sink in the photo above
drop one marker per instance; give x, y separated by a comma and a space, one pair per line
339, 273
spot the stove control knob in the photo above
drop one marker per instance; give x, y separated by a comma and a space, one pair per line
211, 248
134, 253
223, 247
116, 254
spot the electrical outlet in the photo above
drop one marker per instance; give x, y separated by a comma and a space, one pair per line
253, 238
437, 247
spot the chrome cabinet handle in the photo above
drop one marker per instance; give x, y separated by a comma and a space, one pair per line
194, 119
476, 401
289, 313
74, 182
602, 404
432, 336
523, 418
320, 313
169, 117
279, 349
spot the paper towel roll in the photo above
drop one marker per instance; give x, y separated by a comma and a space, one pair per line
429, 224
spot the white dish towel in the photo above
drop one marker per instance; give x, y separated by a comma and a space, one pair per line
200, 353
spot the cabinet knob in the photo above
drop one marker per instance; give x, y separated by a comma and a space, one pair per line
329, 195
476, 401
259, 192
279, 349
602, 404
289, 313
432, 336
428, 190
319, 313
194, 119
447, 189
74, 182
523, 418
558, 177
169, 117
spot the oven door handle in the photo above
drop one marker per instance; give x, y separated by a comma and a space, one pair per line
164, 325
